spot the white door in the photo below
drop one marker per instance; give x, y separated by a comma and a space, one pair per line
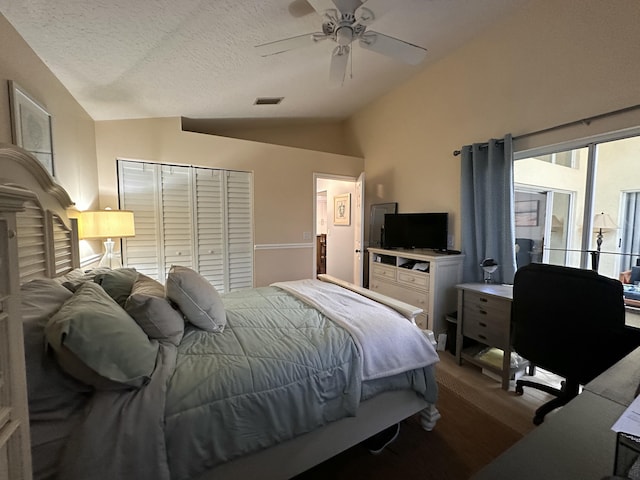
358, 214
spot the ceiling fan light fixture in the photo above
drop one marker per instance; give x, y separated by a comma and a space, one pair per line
344, 36
268, 100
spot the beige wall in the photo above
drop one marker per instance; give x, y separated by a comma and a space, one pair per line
282, 178
325, 136
73, 129
551, 63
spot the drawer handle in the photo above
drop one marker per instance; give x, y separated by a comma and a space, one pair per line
482, 337
482, 299
482, 324
482, 312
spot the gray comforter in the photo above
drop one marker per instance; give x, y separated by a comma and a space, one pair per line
279, 369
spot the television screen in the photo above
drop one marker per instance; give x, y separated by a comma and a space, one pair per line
416, 230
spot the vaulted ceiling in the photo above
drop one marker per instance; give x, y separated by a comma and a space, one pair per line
197, 58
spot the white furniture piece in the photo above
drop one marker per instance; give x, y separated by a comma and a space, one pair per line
36, 240
418, 277
15, 452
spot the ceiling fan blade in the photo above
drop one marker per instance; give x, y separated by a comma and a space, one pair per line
321, 6
348, 6
286, 44
339, 60
364, 16
393, 47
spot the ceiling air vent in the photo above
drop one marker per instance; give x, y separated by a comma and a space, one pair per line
268, 100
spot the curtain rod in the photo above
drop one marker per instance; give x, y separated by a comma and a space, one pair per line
585, 121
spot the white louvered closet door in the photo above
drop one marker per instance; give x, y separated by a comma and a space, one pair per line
197, 217
140, 192
210, 226
240, 230
177, 216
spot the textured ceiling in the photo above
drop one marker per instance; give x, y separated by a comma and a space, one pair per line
196, 58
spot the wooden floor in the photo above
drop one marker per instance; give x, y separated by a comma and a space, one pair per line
513, 410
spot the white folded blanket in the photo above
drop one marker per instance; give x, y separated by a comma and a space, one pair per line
388, 343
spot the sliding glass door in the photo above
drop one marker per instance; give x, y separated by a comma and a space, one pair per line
579, 205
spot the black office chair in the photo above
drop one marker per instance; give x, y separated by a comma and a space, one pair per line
570, 322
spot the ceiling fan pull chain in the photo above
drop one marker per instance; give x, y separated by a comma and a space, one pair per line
351, 66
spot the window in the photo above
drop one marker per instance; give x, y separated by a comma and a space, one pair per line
601, 180
197, 217
565, 159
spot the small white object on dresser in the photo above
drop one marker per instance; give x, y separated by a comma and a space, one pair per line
420, 277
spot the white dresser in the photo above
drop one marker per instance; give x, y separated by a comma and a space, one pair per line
418, 277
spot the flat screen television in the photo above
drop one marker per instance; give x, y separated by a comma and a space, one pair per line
416, 230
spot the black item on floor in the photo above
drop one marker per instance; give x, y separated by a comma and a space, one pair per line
381, 440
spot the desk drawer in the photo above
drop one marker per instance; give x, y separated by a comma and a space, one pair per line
384, 271
485, 329
492, 306
413, 279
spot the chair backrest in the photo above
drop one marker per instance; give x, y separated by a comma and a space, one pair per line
567, 320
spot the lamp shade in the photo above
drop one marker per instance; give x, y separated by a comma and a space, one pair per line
604, 222
96, 224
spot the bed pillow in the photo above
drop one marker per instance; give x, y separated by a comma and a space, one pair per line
197, 299
117, 283
49, 387
149, 307
98, 343
76, 277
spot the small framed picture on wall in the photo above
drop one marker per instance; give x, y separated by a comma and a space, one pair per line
342, 209
526, 213
31, 126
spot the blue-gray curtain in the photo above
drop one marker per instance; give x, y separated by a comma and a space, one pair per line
631, 232
488, 229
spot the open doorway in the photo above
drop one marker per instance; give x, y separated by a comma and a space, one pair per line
338, 229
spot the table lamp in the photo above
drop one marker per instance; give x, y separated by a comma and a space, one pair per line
106, 224
489, 266
602, 222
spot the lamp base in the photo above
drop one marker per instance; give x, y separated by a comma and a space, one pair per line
111, 259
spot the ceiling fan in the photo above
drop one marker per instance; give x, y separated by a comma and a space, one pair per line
343, 22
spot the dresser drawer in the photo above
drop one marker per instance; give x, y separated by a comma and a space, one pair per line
422, 321
402, 293
413, 279
384, 271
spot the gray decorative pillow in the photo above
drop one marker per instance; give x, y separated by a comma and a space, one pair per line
197, 299
117, 283
98, 343
48, 385
149, 307
76, 277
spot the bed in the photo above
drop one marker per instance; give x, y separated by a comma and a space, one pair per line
265, 382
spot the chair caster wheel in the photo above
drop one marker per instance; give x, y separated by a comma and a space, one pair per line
519, 390
537, 420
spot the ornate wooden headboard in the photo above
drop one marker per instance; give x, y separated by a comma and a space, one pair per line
47, 238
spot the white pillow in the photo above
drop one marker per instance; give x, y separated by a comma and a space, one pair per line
197, 298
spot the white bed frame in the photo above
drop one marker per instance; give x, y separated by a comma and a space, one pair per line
48, 246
